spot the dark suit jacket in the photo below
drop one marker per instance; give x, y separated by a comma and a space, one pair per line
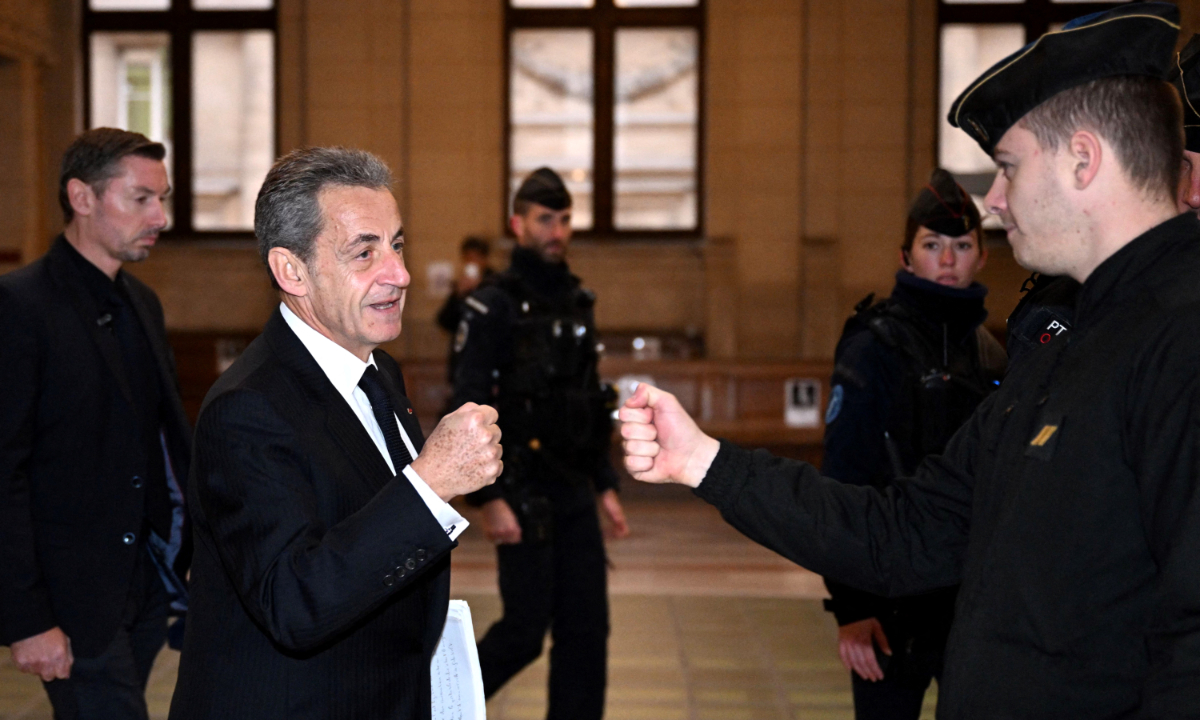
320, 580
69, 451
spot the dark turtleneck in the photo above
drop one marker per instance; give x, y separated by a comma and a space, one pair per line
548, 279
959, 309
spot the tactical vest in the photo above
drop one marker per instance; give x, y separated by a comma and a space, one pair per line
942, 382
550, 398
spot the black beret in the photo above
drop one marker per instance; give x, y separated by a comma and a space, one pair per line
944, 207
545, 187
1132, 39
1185, 76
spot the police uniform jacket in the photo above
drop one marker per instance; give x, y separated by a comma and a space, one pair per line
908, 372
535, 298
1068, 508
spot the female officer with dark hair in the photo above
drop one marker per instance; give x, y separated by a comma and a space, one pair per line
909, 370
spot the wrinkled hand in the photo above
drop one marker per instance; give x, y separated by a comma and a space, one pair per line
856, 645
500, 525
463, 452
47, 655
662, 443
617, 526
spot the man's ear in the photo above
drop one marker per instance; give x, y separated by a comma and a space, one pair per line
1085, 153
81, 196
904, 261
290, 271
516, 223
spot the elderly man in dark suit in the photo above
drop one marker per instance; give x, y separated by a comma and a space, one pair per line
94, 443
322, 570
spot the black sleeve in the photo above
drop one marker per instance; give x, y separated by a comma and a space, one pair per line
478, 363
1164, 446
24, 599
865, 377
909, 539
450, 314
303, 582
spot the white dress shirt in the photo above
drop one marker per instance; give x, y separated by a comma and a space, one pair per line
344, 370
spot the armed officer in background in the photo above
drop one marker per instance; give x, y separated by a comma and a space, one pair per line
526, 345
909, 370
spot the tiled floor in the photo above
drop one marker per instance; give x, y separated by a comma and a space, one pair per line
706, 626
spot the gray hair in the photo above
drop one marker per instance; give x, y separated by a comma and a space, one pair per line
287, 213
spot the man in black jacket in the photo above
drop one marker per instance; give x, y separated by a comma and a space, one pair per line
94, 443
323, 534
527, 345
1069, 505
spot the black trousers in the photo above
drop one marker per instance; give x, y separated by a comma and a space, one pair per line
560, 585
112, 686
915, 661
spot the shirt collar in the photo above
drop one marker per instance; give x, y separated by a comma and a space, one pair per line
101, 287
340, 365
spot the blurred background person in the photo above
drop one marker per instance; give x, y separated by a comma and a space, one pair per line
909, 370
527, 346
473, 269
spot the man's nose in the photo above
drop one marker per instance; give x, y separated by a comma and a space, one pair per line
995, 201
159, 218
1193, 190
395, 272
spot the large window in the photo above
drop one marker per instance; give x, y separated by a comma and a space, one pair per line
609, 94
974, 35
198, 76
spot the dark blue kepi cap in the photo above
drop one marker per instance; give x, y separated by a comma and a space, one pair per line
1133, 39
1185, 76
545, 187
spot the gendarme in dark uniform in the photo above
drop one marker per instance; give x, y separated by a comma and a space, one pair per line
527, 346
908, 372
1068, 507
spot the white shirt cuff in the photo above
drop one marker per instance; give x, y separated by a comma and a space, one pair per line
446, 515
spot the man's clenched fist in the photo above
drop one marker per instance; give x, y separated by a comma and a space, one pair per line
463, 452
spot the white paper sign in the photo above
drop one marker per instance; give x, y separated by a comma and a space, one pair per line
802, 403
455, 679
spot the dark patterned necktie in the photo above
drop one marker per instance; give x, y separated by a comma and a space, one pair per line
385, 415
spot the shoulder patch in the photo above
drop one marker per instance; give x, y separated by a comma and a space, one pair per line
476, 305
835, 403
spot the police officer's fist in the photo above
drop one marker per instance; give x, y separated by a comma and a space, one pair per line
463, 452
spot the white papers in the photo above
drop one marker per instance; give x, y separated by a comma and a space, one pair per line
457, 683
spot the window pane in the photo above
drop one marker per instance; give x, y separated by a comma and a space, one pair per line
553, 3
233, 106
967, 51
131, 85
657, 3
655, 115
551, 112
233, 4
129, 4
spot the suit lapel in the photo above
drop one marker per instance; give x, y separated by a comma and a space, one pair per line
85, 307
162, 355
341, 422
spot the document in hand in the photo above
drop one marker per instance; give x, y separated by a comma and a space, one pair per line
454, 671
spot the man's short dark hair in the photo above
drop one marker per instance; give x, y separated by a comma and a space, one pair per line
1140, 117
476, 245
287, 213
94, 158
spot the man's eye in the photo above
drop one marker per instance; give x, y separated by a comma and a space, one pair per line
364, 255
398, 246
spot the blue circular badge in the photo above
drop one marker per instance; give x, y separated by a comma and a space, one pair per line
835, 403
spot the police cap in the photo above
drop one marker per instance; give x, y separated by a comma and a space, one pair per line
545, 187
1133, 39
1185, 76
944, 207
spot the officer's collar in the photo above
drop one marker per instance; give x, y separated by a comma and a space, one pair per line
544, 277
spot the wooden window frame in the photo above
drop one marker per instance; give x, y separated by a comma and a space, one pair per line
604, 19
180, 22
